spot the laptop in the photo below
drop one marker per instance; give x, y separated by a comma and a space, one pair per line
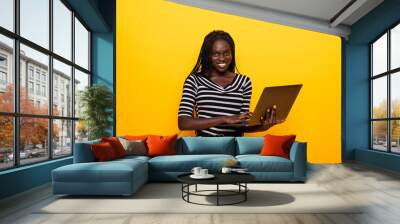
282, 97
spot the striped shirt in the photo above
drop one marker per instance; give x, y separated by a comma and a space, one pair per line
203, 98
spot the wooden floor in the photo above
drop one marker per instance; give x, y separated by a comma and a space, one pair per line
378, 189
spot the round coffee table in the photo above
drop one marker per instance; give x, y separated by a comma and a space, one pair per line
238, 179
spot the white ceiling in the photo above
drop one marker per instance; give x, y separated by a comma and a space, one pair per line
319, 9
326, 16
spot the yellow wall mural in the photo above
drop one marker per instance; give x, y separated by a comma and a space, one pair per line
158, 43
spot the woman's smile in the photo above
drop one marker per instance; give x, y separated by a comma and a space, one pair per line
221, 65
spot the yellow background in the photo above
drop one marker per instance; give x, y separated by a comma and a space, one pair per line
158, 43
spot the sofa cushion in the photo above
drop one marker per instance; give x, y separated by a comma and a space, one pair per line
161, 145
207, 145
134, 147
275, 145
83, 152
103, 152
249, 145
185, 163
111, 171
116, 145
257, 163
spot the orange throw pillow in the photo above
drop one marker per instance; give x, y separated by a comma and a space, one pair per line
277, 145
116, 145
130, 137
103, 152
161, 145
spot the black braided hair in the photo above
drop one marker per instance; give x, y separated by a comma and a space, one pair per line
203, 64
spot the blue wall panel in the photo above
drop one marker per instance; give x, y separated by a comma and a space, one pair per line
377, 158
24, 178
102, 58
103, 61
357, 84
357, 99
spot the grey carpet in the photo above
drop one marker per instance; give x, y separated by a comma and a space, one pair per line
166, 198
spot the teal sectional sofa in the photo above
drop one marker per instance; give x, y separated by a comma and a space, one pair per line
125, 176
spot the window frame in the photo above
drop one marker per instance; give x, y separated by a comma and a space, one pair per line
388, 74
16, 114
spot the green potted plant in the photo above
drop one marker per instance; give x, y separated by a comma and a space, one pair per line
96, 102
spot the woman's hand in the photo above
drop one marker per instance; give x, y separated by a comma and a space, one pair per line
234, 119
269, 118
190, 123
267, 121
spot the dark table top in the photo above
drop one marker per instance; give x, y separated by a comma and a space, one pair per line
220, 178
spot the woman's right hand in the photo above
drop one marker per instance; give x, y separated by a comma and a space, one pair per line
234, 119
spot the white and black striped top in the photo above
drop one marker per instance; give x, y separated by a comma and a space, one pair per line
203, 98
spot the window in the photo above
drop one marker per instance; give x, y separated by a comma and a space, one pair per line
3, 61
385, 91
6, 142
43, 90
3, 72
34, 21
3, 78
43, 77
395, 47
62, 74
7, 14
33, 149
81, 45
48, 113
30, 87
62, 31
37, 75
30, 72
37, 89
6, 73
55, 102
81, 81
62, 129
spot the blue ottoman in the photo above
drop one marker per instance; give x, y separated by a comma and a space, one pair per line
118, 177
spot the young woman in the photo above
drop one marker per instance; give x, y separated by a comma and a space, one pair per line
213, 94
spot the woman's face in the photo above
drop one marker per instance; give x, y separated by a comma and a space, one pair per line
221, 56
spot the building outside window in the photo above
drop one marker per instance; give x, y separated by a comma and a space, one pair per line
35, 72
3, 60
37, 75
38, 89
55, 97
43, 90
30, 72
30, 87
3, 77
3, 71
385, 91
43, 78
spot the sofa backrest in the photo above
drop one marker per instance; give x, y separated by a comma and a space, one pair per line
249, 145
206, 145
83, 152
191, 146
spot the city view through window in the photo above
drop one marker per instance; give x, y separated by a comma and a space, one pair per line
39, 114
385, 91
